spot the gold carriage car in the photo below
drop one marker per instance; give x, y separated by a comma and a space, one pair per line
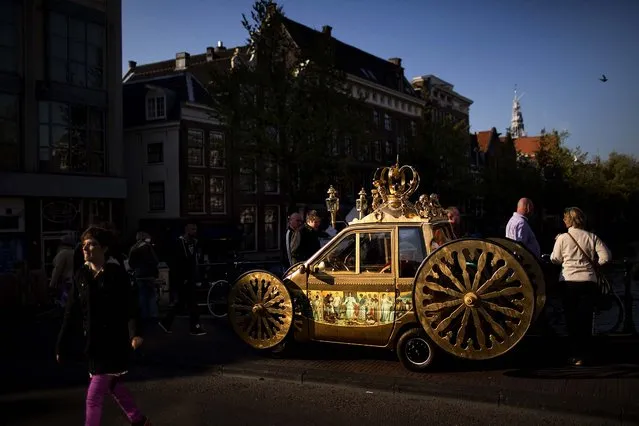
396, 278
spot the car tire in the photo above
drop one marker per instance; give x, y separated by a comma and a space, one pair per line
415, 350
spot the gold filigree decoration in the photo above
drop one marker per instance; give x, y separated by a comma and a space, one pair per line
474, 299
394, 186
429, 208
260, 309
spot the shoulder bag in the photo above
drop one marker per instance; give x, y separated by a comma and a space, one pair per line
604, 286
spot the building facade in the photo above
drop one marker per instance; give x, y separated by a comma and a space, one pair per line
181, 163
231, 197
60, 113
445, 102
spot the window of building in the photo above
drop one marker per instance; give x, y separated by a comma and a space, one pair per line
413, 128
388, 124
401, 144
248, 178
377, 150
271, 177
155, 153
217, 203
248, 222
271, 227
365, 152
156, 196
334, 146
195, 148
72, 138
9, 35
375, 118
195, 194
217, 150
348, 145
9, 133
155, 105
76, 51
388, 148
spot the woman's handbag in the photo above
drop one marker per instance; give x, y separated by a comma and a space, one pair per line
605, 293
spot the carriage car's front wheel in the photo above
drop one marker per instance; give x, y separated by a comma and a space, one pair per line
414, 350
260, 309
474, 298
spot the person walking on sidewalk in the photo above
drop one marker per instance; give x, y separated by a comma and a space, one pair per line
62, 274
101, 298
144, 263
184, 276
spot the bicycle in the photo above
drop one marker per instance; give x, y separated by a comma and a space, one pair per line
218, 292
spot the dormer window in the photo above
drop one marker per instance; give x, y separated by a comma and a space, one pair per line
155, 105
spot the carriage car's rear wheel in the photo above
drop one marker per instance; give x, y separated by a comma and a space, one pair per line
260, 309
533, 269
474, 298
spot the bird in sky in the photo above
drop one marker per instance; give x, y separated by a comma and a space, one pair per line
603, 78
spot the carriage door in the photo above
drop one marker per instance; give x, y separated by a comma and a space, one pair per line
353, 294
412, 251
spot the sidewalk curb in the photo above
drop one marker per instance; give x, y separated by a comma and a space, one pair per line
491, 395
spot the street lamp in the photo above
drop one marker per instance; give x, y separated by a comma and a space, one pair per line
361, 204
332, 204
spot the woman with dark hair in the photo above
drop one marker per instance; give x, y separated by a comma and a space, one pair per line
102, 299
579, 253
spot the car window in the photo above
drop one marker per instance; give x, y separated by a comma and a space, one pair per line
441, 235
341, 257
375, 252
411, 251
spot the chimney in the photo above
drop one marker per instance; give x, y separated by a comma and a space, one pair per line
182, 60
220, 47
328, 30
132, 65
210, 54
396, 61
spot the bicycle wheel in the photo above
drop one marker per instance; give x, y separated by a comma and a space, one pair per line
217, 299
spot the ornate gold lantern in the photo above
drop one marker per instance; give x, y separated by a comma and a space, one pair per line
332, 204
361, 204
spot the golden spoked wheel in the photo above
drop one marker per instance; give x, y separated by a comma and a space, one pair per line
474, 298
260, 309
533, 269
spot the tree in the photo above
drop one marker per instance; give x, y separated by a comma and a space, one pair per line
289, 105
441, 153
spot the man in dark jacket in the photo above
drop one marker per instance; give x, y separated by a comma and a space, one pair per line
309, 238
184, 274
144, 264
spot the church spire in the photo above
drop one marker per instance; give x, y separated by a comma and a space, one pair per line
517, 120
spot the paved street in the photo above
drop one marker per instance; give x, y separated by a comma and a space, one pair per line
533, 376
216, 400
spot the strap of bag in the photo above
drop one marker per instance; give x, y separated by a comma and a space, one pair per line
592, 263
605, 288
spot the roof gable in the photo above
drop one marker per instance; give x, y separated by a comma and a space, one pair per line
352, 60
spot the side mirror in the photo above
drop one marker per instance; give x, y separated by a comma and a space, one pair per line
303, 269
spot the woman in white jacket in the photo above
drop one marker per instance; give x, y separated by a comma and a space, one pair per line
576, 251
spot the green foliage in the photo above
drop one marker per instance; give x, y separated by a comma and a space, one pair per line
289, 105
441, 154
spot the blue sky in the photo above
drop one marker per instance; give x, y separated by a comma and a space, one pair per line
554, 50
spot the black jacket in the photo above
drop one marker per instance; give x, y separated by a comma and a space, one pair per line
143, 260
309, 244
183, 266
107, 308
